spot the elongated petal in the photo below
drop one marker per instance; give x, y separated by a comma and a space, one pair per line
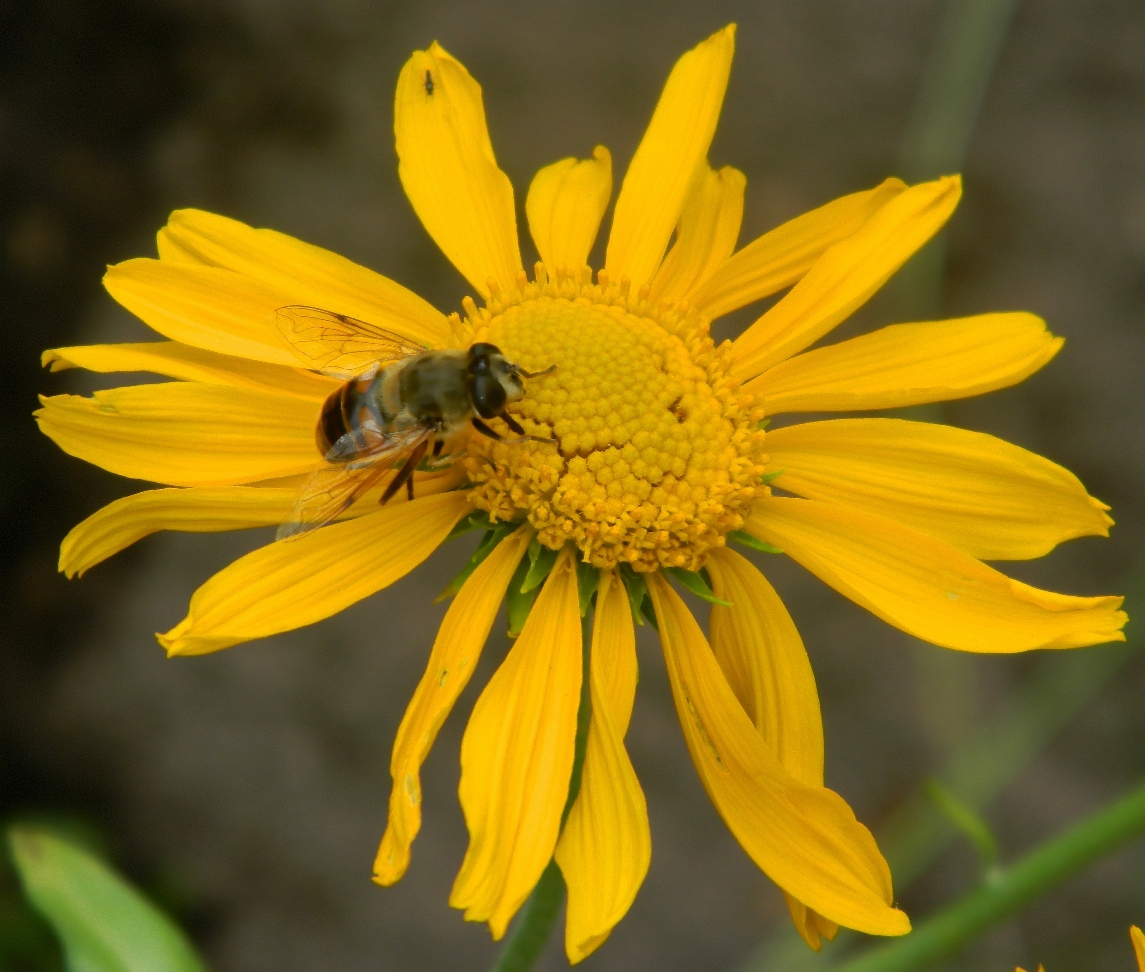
846, 276
908, 364
206, 307
763, 658
186, 433
926, 587
517, 755
309, 274
207, 509
191, 364
780, 257
606, 846
455, 654
1138, 939
565, 205
706, 235
283, 586
197, 510
447, 167
805, 838
811, 926
991, 499
660, 175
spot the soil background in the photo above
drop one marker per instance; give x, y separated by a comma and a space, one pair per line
247, 790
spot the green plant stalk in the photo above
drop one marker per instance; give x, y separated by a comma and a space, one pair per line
531, 932
1047, 867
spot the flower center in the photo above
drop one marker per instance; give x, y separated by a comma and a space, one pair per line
657, 454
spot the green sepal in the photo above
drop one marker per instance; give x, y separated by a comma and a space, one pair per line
487, 545
636, 590
104, 924
649, 612
587, 578
745, 539
477, 520
519, 602
541, 560
695, 582
773, 475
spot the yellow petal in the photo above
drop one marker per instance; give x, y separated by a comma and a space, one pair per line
606, 846
455, 654
660, 175
206, 307
204, 510
1138, 940
780, 257
706, 235
186, 433
907, 364
283, 586
191, 364
447, 167
984, 496
763, 658
309, 274
207, 509
846, 276
811, 926
805, 838
927, 587
517, 755
565, 205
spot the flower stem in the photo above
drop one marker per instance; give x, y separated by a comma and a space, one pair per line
530, 933
1054, 862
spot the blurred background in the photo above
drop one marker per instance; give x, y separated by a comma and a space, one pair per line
246, 791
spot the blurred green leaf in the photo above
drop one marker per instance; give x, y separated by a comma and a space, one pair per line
104, 924
966, 820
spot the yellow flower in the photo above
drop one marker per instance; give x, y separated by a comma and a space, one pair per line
1138, 940
662, 459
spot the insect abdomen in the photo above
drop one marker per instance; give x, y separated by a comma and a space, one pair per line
346, 409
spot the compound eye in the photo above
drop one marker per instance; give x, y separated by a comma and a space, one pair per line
488, 396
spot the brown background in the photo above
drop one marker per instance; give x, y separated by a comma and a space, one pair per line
246, 790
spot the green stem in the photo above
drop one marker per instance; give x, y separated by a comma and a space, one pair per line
948, 931
531, 931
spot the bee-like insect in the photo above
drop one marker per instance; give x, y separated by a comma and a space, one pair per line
399, 401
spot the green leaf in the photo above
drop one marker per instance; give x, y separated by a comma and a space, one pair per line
103, 923
967, 821
477, 520
587, 578
745, 539
487, 545
637, 591
518, 601
696, 584
541, 560
773, 475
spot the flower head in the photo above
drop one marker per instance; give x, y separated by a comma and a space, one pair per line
651, 457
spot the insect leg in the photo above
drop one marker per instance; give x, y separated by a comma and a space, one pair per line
485, 430
437, 446
512, 423
406, 472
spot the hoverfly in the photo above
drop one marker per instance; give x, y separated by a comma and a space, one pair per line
399, 401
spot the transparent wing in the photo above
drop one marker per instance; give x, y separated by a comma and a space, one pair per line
334, 489
340, 346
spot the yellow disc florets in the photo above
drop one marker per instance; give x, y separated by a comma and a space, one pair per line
657, 455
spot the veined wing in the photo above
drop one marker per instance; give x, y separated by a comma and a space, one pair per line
334, 489
337, 345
